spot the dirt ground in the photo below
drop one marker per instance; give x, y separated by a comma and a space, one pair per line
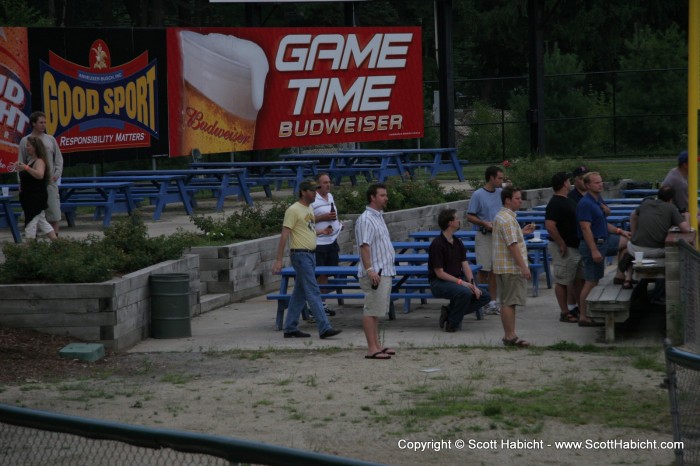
336, 402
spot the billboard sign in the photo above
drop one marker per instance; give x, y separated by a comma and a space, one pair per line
236, 89
15, 97
100, 105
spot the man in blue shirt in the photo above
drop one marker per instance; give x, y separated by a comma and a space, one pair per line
484, 204
598, 239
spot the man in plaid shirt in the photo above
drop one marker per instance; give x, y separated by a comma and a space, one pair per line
510, 262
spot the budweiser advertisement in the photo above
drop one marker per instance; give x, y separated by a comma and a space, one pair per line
15, 98
237, 89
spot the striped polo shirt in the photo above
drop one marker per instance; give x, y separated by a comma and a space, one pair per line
371, 229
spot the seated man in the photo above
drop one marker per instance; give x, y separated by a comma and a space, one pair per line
450, 275
650, 223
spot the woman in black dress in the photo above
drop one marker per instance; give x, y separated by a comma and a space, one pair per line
33, 195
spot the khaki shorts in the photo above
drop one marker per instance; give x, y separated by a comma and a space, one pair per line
483, 246
376, 301
53, 211
512, 288
565, 268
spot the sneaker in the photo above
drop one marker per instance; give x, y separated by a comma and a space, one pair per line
328, 312
331, 332
297, 334
444, 312
491, 309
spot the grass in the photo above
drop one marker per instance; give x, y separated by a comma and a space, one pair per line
635, 169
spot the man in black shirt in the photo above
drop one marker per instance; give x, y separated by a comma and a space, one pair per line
560, 222
450, 275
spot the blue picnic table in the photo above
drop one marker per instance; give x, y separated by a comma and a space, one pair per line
271, 172
9, 217
398, 291
444, 159
372, 165
102, 194
222, 182
160, 189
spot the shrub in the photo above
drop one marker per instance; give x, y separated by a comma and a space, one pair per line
125, 248
252, 222
402, 195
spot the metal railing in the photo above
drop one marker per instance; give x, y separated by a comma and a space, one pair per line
32, 437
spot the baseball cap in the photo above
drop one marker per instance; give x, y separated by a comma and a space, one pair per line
683, 157
558, 180
308, 185
578, 171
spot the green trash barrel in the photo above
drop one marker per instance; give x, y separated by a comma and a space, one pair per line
170, 305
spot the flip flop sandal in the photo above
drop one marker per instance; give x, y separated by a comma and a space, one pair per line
388, 351
378, 355
569, 317
515, 341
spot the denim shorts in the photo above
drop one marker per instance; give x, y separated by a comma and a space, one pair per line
594, 271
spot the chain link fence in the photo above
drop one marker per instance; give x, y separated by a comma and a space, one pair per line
29, 437
683, 365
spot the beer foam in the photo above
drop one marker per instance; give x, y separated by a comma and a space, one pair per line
238, 52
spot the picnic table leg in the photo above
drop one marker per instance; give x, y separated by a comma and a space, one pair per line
610, 327
279, 321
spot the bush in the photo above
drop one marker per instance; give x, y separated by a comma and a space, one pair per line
535, 171
251, 222
402, 195
125, 248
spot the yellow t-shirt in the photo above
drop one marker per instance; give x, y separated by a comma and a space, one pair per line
300, 219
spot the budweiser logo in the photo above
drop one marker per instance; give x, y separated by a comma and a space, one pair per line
196, 121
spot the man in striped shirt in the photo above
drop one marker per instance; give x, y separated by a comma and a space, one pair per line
375, 268
510, 262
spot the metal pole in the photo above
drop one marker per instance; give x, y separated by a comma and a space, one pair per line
443, 10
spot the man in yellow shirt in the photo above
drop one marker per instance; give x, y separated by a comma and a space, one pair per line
299, 224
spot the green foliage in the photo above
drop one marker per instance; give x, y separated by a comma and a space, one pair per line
483, 143
402, 195
20, 13
662, 93
252, 222
573, 102
535, 171
124, 248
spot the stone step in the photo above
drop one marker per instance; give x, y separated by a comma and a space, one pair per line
209, 302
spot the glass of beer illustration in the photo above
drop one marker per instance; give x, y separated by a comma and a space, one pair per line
224, 84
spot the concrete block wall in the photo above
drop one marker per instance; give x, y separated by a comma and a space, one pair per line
115, 313
244, 270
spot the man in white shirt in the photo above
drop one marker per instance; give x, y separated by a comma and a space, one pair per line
326, 215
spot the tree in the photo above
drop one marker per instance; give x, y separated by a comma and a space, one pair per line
641, 94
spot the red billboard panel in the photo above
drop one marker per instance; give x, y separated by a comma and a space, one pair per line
15, 98
236, 89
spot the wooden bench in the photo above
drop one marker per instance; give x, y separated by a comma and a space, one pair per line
610, 303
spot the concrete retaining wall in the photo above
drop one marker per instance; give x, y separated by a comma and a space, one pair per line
244, 269
115, 313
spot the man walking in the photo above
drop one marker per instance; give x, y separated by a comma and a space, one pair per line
450, 275
299, 224
326, 216
596, 240
483, 207
55, 158
510, 262
375, 268
560, 222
